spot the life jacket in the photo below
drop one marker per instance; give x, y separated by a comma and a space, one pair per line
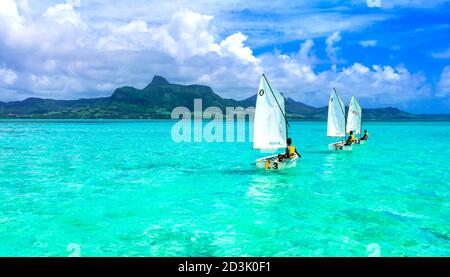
351, 138
291, 151
366, 136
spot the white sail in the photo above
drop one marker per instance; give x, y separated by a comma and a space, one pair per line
354, 117
270, 122
336, 116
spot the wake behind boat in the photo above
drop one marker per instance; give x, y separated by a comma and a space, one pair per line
271, 127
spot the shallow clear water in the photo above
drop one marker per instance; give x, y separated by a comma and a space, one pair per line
123, 188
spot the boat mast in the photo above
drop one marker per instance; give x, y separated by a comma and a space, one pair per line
360, 120
285, 118
284, 115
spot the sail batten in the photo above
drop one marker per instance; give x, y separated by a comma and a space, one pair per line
336, 116
270, 131
354, 116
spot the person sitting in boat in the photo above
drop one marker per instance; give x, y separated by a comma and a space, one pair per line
351, 139
366, 136
290, 151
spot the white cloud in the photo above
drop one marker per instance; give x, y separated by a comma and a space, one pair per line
105, 87
371, 85
68, 58
7, 76
48, 85
9, 11
10, 19
71, 60
305, 53
442, 54
63, 13
290, 26
235, 44
443, 86
186, 35
133, 36
59, 30
409, 3
191, 32
41, 82
283, 20
75, 3
382, 84
368, 43
331, 49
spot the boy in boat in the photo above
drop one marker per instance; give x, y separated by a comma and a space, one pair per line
290, 151
365, 137
351, 139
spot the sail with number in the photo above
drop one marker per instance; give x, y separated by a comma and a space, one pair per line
354, 117
336, 116
270, 131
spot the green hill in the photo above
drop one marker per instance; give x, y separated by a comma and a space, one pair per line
158, 99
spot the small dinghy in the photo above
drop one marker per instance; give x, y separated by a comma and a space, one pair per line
340, 146
273, 162
336, 124
271, 127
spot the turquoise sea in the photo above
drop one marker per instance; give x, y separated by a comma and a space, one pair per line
124, 188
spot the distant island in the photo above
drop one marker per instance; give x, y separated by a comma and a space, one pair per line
157, 100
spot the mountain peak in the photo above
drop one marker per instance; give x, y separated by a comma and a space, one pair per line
158, 81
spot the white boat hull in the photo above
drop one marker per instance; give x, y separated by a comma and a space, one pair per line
359, 141
273, 163
339, 146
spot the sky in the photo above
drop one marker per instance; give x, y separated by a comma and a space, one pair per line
386, 53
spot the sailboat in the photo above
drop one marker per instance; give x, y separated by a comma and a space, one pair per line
354, 118
271, 126
336, 122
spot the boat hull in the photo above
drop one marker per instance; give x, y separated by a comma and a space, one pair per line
273, 163
359, 141
339, 146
